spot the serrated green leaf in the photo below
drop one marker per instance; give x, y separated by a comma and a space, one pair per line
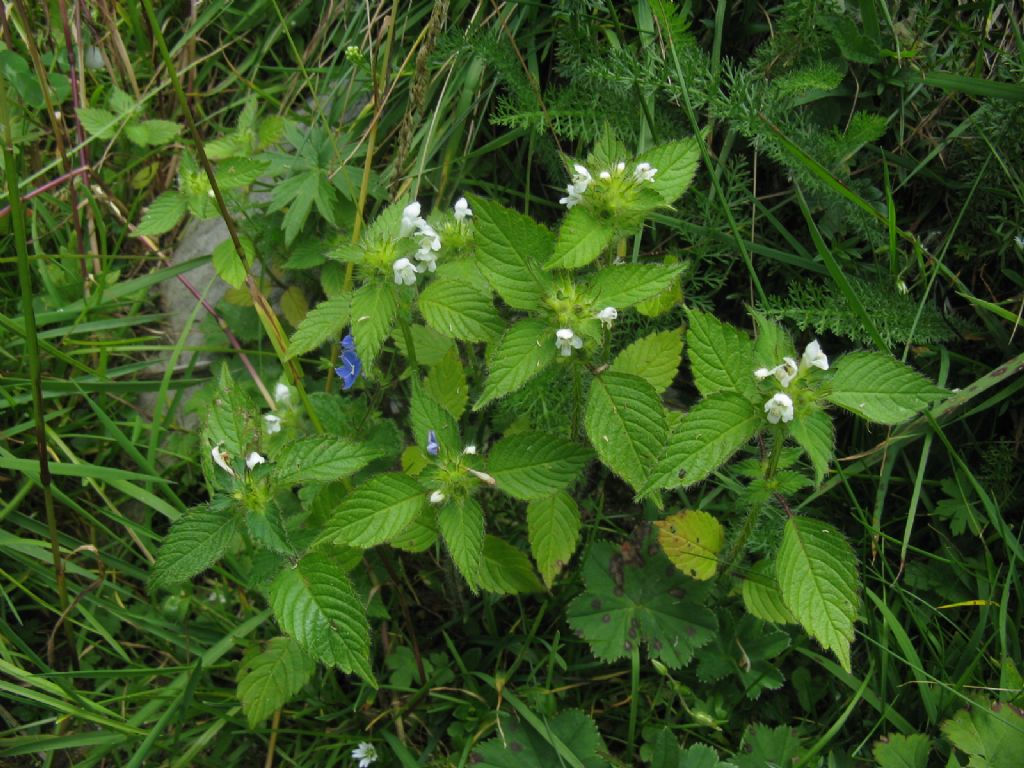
324, 322
375, 512
240, 172
505, 570
420, 534
812, 429
655, 358
374, 307
426, 414
266, 527
195, 542
761, 595
666, 753
626, 424
879, 388
315, 603
763, 746
233, 421
721, 356
526, 349
268, 680
646, 602
622, 286
691, 540
227, 264
553, 523
704, 439
461, 311
320, 460
817, 573
163, 214
581, 238
744, 650
899, 751
461, 522
100, 123
676, 162
152, 133
772, 342
294, 305
446, 384
991, 735
510, 249
569, 739
431, 346
533, 465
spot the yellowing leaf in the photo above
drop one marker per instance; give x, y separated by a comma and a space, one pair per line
692, 540
294, 305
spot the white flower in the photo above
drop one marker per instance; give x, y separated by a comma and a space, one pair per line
365, 753
620, 166
566, 341
779, 408
430, 243
814, 357
462, 209
580, 181
405, 272
644, 172
469, 450
220, 458
271, 423
253, 459
410, 219
435, 498
605, 175
786, 372
282, 395
1019, 241
762, 373
607, 316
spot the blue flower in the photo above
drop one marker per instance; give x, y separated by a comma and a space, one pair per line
351, 366
433, 447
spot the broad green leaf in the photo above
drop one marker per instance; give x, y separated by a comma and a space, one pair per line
233, 421
163, 214
879, 388
817, 573
764, 746
568, 739
772, 342
195, 542
533, 465
461, 311
375, 512
676, 162
761, 595
505, 570
525, 350
100, 123
374, 307
745, 650
510, 249
581, 238
426, 414
553, 523
268, 680
227, 264
294, 305
622, 286
267, 529
446, 384
315, 603
626, 424
899, 751
431, 346
324, 322
691, 540
644, 600
991, 735
320, 460
420, 534
704, 439
666, 753
239, 172
721, 356
655, 358
461, 522
152, 133
812, 429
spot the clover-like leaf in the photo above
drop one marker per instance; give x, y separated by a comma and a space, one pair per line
745, 652
992, 735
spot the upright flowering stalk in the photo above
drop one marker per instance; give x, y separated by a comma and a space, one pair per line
351, 366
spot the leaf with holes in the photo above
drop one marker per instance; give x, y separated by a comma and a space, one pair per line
647, 602
195, 542
375, 512
460, 310
655, 358
315, 603
533, 465
526, 349
268, 680
569, 738
721, 356
880, 388
691, 540
553, 523
817, 572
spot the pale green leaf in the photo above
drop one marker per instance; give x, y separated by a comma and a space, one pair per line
626, 424
100, 123
510, 249
431, 346
581, 239
721, 356
691, 540
446, 384
195, 542
992, 735
533, 465
772, 343
233, 421
239, 172
420, 534
426, 414
505, 570
315, 603
163, 214
152, 133
553, 523
812, 429
622, 286
227, 264
879, 388
676, 162
899, 751
268, 680
375, 512
525, 350
459, 310
320, 459
461, 522
817, 573
761, 595
324, 322
374, 307
655, 357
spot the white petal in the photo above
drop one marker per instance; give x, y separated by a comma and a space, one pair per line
272, 423
282, 394
253, 459
219, 458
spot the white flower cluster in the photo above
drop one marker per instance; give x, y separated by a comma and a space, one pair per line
582, 179
414, 225
780, 406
